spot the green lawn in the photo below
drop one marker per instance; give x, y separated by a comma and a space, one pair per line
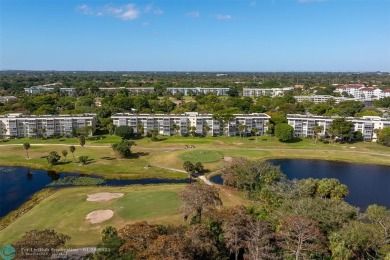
66, 209
203, 156
170, 152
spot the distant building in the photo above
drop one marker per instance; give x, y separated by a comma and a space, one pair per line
303, 125
362, 92
49, 88
146, 90
272, 92
204, 124
323, 98
19, 125
6, 99
199, 91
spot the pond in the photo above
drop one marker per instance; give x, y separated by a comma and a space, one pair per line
367, 184
18, 184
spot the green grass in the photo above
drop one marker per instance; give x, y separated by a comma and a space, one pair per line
66, 209
170, 152
141, 205
203, 156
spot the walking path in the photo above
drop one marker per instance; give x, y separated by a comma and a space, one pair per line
178, 170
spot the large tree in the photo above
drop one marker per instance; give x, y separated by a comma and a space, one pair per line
250, 175
384, 136
123, 148
316, 130
189, 167
197, 198
235, 226
284, 131
125, 132
223, 117
341, 128
300, 237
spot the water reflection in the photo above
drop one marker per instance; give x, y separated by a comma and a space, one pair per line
367, 184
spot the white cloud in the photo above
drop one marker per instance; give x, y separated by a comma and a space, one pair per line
123, 12
252, 4
223, 16
85, 9
145, 24
158, 11
193, 14
130, 12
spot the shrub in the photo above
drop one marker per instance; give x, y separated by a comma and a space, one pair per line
83, 159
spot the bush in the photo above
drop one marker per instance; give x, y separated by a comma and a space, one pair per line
53, 158
126, 132
123, 148
83, 159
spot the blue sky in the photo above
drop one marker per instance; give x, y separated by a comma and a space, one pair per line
196, 35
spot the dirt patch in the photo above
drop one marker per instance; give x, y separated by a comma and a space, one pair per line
238, 143
227, 159
103, 196
99, 216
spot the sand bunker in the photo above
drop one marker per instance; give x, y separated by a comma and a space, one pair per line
227, 158
99, 216
104, 196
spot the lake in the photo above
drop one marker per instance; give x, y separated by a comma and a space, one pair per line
367, 184
18, 184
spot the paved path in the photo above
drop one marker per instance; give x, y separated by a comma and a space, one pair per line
178, 170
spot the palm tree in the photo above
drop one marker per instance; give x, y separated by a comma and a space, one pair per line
4, 131
82, 142
270, 127
254, 132
72, 149
242, 129
317, 129
64, 153
192, 130
140, 130
26, 146
206, 129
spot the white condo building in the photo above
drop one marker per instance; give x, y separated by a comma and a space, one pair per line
303, 125
137, 90
197, 91
49, 88
19, 125
323, 98
362, 92
258, 92
204, 124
